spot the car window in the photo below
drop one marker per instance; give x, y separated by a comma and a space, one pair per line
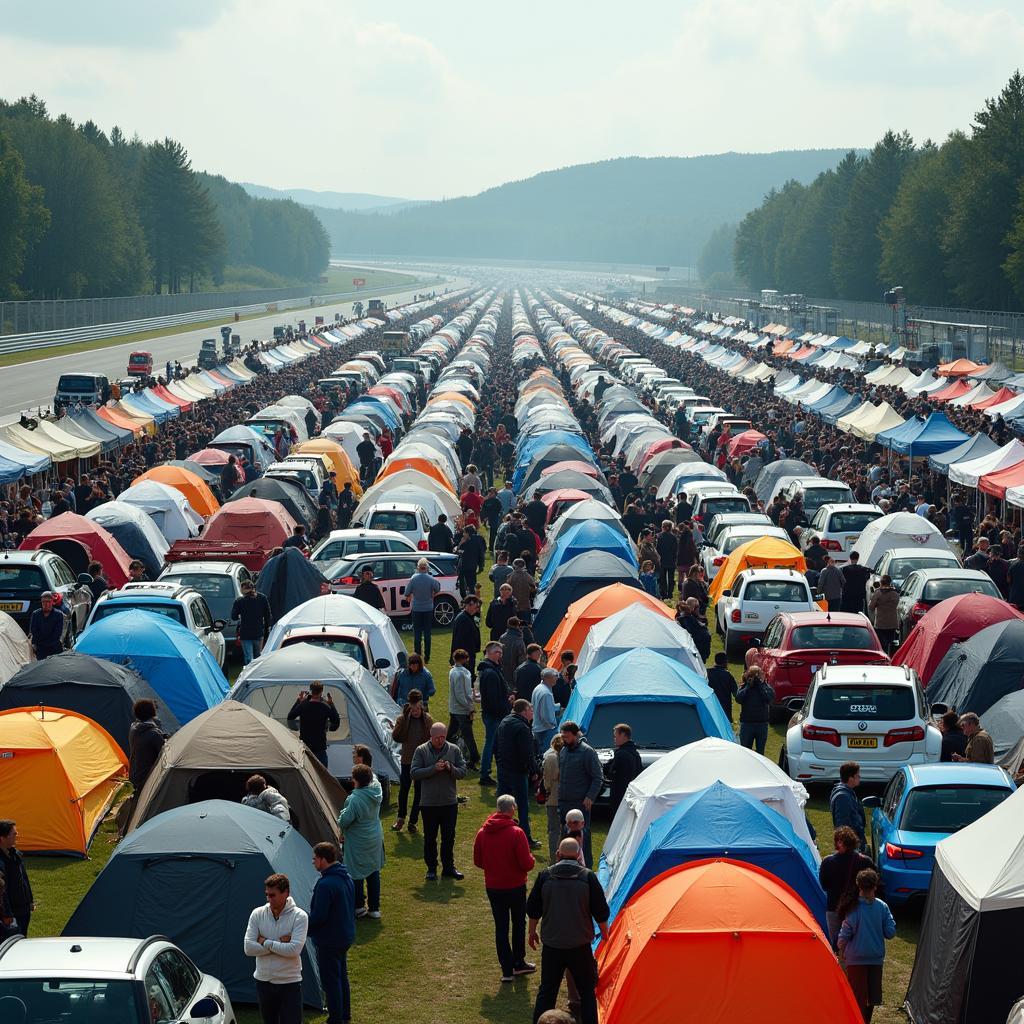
180, 977
389, 519
331, 550
158, 996
339, 645
201, 614
58, 1000
365, 544
62, 574
900, 568
948, 808
773, 634
399, 568
728, 503
208, 584
735, 540
939, 590
851, 522
893, 794
776, 591
854, 638
21, 577
870, 703
443, 566
171, 611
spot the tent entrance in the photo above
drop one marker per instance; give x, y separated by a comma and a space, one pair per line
229, 784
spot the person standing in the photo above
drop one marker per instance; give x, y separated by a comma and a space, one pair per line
46, 628
722, 683
252, 613
883, 605
862, 939
980, 749
411, 729
145, 741
18, 902
626, 764
838, 874
461, 706
366, 451
844, 804
855, 584
524, 587
516, 761
580, 780
440, 536
363, 852
755, 698
500, 610
275, 936
831, 582
954, 740
565, 901
528, 672
466, 630
545, 715
413, 677
550, 777
420, 589
315, 715
513, 650
501, 849
667, 545
332, 928
367, 591
438, 765
494, 704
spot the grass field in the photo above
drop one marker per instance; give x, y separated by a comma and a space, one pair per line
431, 960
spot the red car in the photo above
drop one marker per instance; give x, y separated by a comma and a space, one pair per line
796, 644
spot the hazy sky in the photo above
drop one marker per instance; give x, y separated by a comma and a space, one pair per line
425, 99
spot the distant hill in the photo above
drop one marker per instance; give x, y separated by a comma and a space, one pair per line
633, 209
330, 200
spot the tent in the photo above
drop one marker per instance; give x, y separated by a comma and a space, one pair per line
98, 689
412, 486
211, 757
23, 462
173, 660
918, 436
194, 874
973, 916
896, 530
970, 472
590, 510
581, 537
666, 704
687, 473
744, 442
1004, 722
15, 650
340, 462
683, 772
762, 553
635, 626
199, 495
416, 465
955, 389
713, 935
973, 448
241, 440
566, 478
288, 580
775, 471
593, 607
167, 508
289, 494
723, 822
80, 541
876, 422
999, 483
251, 521
961, 368
271, 684
59, 774
981, 670
949, 622
134, 531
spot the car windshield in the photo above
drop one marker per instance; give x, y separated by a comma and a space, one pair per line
733, 541
815, 497
944, 809
776, 591
339, 645
901, 568
851, 522
76, 382
730, 503
52, 1000
389, 519
846, 638
171, 611
208, 584
656, 725
874, 703
21, 577
939, 590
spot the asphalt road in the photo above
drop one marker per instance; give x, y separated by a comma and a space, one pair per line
27, 386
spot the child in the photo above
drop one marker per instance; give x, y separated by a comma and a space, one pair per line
862, 943
648, 578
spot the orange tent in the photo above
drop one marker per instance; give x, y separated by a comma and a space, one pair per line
199, 496
593, 608
340, 462
456, 396
421, 465
959, 368
707, 936
120, 420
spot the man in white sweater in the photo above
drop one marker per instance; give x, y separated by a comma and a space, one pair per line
275, 936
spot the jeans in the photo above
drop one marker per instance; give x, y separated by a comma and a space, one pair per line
372, 892
462, 725
439, 819
508, 906
422, 623
403, 795
321, 756
754, 734
490, 728
579, 962
333, 964
251, 649
280, 1004
554, 830
563, 810
518, 785
542, 740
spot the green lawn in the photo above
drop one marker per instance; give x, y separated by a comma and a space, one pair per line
431, 957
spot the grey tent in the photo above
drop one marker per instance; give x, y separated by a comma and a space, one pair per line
194, 874
775, 471
272, 683
288, 580
212, 756
293, 496
99, 689
134, 531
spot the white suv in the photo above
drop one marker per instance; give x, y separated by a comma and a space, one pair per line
402, 517
838, 525
345, 543
714, 556
755, 598
872, 714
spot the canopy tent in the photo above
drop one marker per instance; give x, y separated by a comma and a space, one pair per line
976, 396
80, 541
919, 436
581, 537
977, 672
961, 368
189, 875
633, 627
1002, 480
116, 418
272, 683
16, 463
955, 389
15, 650
967, 474
172, 659
847, 422
99, 690
288, 580
883, 418
897, 530
199, 496
211, 757
86, 424
289, 494
167, 508
134, 531
251, 521
59, 775
974, 914
973, 448
760, 553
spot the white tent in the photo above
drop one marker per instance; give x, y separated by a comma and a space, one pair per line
685, 771
167, 507
884, 418
585, 511
897, 530
1007, 408
15, 650
967, 474
685, 471
111, 513
638, 626
433, 500
979, 393
851, 419
348, 435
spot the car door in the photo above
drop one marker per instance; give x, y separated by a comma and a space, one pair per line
178, 980
202, 624
71, 601
908, 598
883, 818
397, 572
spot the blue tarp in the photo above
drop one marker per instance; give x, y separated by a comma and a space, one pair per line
592, 535
917, 437
973, 448
30, 462
169, 657
142, 402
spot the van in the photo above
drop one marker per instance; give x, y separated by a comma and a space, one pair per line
82, 389
140, 364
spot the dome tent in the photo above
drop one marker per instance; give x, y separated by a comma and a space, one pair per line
288, 580
981, 670
167, 507
635, 626
80, 541
15, 649
134, 531
582, 537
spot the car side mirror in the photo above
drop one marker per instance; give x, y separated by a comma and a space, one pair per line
85, 579
939, 709
726, 593
219, 624
382, 663
871, 801
818, 595
206, 1008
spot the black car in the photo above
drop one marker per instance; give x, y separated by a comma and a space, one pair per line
24, 575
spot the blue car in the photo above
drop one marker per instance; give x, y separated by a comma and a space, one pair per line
921, 806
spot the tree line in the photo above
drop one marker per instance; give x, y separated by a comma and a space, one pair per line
944, 221
85, 214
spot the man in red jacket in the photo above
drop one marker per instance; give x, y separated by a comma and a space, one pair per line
503, 851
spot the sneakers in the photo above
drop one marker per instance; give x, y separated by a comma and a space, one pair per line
454, 873
525, 968
462, 799
507, 979
535, 844
431, 876
398, 825
374, 914
412, 830
362, 912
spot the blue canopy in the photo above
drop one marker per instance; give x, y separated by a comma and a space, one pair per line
973, 448
371, 405
723, 822
589, 535
141, 402
30, 462
643, 676
839, 408
842, 343
172, 659
918, 436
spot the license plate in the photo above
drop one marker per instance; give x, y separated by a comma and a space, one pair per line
851, 540
750, 615
11, 606
862, 742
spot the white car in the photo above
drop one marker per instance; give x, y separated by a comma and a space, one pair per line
899, 563
875, 715
838, 526
120, 981
344, 543
755, 598
401, 517
714, 556
309, 472
817, 492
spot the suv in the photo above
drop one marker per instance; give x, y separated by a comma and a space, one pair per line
756, 597
122, 981
208, 357
182, 604
816, 492
872, 714
925, 588
307, 472
82, 389
220, 584
24, 575
714, 556
839, 525
402, 517
345, 543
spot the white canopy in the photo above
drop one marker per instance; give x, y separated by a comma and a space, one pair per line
883, 418
113, 512
897, 530
167, 507
969, 473
851, 419
977, 394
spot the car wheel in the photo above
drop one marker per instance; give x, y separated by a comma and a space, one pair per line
732, 647
445, 610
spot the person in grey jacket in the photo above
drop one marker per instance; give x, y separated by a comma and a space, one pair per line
420, 589
831, 582
265, 798
438, 765
579, 780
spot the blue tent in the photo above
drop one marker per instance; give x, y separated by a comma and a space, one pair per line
194, 874
141, 402
644, 677
973, 448
553, 443
723, 822
918, 436
590, 535
169, 657
836, 394
838, 407
30, 462
529, 443
10, 472
376, 408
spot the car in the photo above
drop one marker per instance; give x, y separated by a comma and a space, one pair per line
391, 571
340, 544
220, 584
308, 472
872, 714
815, 492
722, 520
403, 517
921, 806
899, 563
742, 613
117, 980
182, 604
348, 640
925, 588
713, 557
796, 644
708, 500
25, 575
838, 526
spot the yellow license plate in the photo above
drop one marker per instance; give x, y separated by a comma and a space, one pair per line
11, 606
862, 742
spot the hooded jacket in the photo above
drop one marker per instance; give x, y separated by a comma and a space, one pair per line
145, 741
270, 801
411, 732
359, 822
513, 746
847, 810
332, 915
503, 851
493, 689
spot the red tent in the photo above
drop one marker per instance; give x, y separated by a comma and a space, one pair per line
169, 396
996, 483
557, 500
661, 446
80, 541
744, 442
221, 379
1004, 394
586, 468
949, 622
255, 522
954, 390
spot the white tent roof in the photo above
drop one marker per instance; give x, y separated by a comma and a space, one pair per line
897, 530
688, 471
852, 418
583, 511
977, 394
638, 626
115, 511
969, 473
167, 507
14, 647
1005, 408
926, 380
885, 417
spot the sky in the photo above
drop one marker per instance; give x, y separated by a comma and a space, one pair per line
425, 100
